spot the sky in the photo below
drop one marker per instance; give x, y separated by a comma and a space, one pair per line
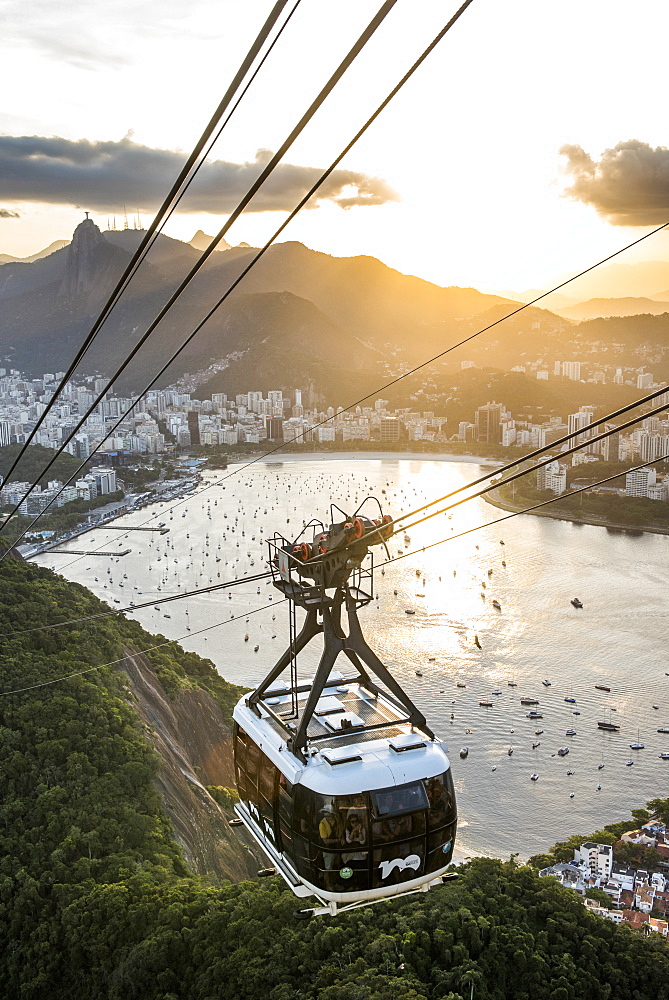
530, 144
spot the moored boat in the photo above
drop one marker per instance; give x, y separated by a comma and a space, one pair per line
610, 727
602, 687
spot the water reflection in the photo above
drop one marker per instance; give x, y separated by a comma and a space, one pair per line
535, 635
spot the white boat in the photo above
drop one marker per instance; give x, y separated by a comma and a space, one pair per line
534, 777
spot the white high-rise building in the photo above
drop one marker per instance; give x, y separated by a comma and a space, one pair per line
577, 421
572, 370
598, 858
552, 477
638, 482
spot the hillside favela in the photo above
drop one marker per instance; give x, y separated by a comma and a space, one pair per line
334, 501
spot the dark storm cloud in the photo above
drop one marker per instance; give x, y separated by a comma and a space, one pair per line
6, 214
104, 176
628, 185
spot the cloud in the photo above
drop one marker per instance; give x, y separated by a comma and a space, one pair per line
629, 185
91, 33
5, 213
105, 176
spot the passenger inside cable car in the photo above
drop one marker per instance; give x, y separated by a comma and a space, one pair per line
349, 843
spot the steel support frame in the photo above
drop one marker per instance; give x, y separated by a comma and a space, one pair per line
335, 642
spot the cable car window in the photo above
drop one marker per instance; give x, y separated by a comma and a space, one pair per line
252, 757
400, 827
268, 776
285, 800
395, 801
305, 857
440, 848
441, 798
340, 873
334, 819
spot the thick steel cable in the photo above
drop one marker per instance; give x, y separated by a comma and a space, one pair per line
268, 169
140, 652
540, 465
523, 472
525, 510
530, 456
498, 471
399, 378
404, 555
343, 409
168, 206
301, 204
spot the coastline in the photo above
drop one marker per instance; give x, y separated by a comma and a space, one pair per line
368, 456
597, 522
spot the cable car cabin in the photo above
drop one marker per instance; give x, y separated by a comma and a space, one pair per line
341, 781
371, 816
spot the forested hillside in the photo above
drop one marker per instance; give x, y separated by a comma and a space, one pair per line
96, 902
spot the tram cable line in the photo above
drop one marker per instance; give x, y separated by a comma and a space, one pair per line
525, 510
350, 406
140, 652
176, 193
267, 170
323, 177
550, 447
212, 588
266, 247
344, 409
499, 471
524, 472
265, 576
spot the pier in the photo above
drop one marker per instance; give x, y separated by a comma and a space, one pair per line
85, 552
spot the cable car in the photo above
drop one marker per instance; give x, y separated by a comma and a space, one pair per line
341, 781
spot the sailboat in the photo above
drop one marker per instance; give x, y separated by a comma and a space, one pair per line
638, 745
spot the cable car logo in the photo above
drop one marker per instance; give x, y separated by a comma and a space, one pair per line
413, 861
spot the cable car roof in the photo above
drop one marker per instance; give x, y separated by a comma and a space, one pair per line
360, 761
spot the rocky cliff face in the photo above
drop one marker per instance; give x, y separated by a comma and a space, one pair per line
92, 264
195, 748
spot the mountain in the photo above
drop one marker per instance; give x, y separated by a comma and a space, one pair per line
299, 316
610, 281
556, 301
615, 307
201, 241
6, 258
